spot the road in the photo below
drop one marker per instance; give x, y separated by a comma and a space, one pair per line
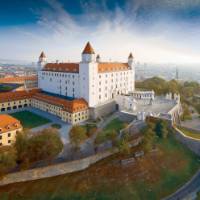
188, 190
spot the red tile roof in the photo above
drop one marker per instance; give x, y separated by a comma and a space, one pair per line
17, 79
17, 95
111, 67
62, 67
74, 67
8, 123
71, 106
88, 49
130, 55
42, 55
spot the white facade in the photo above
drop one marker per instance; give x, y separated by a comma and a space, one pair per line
90, 82
66, 84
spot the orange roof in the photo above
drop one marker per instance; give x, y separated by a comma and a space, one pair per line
110, 67
88, 49
62, 67
74, 67
71, 106
8, 123
130, 55
42, 55
17, 95
17, 79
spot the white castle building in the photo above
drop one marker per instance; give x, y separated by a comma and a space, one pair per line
90, 88
91, 79
106, 86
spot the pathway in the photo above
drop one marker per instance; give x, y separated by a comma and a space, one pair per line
188, 191
65, 127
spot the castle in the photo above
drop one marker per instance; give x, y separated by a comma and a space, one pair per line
76, 92
95, 81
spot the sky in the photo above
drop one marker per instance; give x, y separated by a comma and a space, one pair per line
161, 31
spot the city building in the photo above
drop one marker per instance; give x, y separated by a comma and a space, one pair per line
23, 82
9, 127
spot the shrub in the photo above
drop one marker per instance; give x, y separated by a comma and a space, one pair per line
44, 145
7, 159
77, 135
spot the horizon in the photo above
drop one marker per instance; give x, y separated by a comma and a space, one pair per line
154, 31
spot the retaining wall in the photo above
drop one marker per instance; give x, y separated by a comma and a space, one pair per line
54, 170
192, 143
103, 110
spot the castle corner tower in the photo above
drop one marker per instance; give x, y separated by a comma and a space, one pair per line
88, 54
41, 61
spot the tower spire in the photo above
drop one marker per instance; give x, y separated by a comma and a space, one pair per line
88, 49
130, 56
42, 55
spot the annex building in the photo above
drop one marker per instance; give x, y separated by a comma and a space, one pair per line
9, 127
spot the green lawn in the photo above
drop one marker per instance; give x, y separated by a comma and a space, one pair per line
191, 133
29, 119
151, 178
114, 125
56, 126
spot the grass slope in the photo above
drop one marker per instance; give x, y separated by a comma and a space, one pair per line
152, 177
29, 119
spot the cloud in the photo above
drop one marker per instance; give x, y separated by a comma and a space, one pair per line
113, 33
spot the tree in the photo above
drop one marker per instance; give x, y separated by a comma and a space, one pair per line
149, 139
44, 145
77, 135
161, 129
112, 135
186, 112
173, 86
123, 147
20, 145
7, 159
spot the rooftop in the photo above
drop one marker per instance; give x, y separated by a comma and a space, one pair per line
74, 67
88, 49
8, 123
66, 103
17, 95
159, 106
17, 79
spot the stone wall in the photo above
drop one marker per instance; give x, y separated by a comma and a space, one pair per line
54, 170
103, 110
126, 117
192, 143
59, 169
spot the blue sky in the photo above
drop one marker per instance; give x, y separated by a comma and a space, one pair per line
155, 30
